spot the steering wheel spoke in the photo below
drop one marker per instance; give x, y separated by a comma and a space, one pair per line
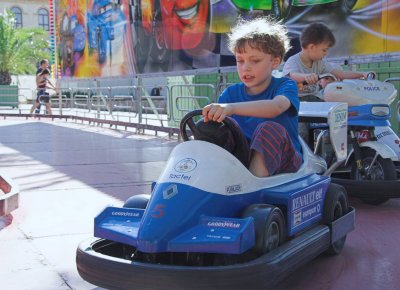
192, 126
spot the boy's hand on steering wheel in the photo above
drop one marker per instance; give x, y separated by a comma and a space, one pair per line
216, 112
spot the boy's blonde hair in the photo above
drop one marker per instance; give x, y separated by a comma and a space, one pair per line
263, 33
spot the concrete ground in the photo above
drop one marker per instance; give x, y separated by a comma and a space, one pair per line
68, 172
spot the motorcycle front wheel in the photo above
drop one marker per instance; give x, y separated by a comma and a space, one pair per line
380, 169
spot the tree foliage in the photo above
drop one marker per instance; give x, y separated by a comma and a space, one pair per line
20, 48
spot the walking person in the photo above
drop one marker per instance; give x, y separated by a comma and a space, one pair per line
44, 63
43, 82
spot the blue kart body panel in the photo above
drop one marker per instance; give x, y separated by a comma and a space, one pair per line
184, 218
362, 116
209, 220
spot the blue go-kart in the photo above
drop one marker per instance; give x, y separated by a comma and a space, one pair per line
210, 224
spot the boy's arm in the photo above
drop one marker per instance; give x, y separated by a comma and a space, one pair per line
259, 109
349, 74
291, 69
303, 77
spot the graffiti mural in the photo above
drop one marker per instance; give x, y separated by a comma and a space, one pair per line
105, 38
94, 38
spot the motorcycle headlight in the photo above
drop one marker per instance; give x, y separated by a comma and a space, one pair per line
380, 111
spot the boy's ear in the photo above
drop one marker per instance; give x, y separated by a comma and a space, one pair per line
276, 61
310, 46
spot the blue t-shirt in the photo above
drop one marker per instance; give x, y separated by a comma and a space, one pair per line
278, 86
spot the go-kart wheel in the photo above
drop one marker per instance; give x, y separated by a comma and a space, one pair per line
269, 225
381, 169
137, 201
335, 206
210, 132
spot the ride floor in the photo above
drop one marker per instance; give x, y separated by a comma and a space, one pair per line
68, 172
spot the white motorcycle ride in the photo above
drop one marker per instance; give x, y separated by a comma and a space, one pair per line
372, 168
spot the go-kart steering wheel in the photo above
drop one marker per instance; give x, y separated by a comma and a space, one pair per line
211, 130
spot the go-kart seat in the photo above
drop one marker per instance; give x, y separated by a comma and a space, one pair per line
226, 136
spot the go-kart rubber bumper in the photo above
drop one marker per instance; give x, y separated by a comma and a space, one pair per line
118, 273
8, 195
370, 189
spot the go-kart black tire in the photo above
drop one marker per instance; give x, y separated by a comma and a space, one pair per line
335, 206
137, 201
386, 167
269, 225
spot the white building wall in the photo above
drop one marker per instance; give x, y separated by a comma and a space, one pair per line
30, 8
30, 19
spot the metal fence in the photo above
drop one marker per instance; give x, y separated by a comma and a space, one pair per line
129, 106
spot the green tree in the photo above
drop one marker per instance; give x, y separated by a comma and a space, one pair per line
20, 48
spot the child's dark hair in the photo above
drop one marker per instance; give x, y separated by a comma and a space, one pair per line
43, 61
261, 33
316, 33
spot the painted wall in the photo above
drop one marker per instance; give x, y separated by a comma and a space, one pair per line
111, 38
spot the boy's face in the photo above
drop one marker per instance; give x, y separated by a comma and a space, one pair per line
45, 65
318, 51
255, 68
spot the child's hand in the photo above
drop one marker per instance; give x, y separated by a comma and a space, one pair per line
311, 78
216, 112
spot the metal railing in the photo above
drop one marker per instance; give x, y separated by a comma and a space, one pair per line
127, 105
121, 105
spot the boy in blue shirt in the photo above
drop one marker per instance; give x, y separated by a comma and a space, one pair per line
266, 108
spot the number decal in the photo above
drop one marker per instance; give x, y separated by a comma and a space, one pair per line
158, 211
